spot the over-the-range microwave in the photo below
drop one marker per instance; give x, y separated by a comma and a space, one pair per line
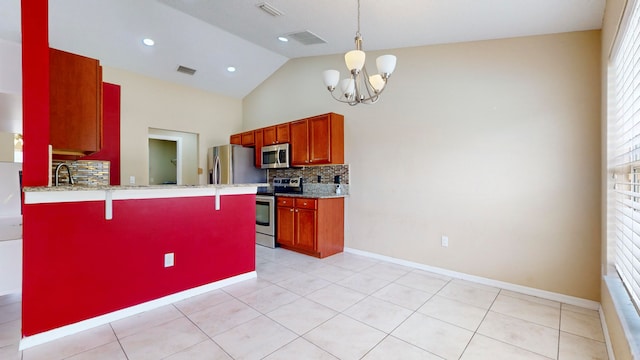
275, 156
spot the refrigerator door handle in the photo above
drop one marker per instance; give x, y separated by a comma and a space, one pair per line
216, 171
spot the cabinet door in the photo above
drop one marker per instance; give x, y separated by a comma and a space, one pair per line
299, 143
258, 135
320, 139
248, 138
285, 226
236, 139
75, 103
269, 135
282, 133
305, 229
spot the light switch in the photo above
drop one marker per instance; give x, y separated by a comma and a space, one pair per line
132, 179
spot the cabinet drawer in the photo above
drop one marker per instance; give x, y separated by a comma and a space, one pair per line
285, 202
307, 203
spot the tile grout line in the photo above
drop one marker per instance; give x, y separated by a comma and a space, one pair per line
201, 330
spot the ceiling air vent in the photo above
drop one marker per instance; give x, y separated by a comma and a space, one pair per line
186, 70
307, 38
269, 9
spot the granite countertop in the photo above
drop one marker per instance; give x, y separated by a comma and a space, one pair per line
312, 196
132, 187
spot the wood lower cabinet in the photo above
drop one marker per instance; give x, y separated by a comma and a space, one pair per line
312, 226
75, 103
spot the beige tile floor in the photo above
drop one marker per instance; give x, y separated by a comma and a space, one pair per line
345, 307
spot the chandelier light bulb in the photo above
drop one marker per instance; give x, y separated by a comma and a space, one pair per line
355, 60
331, 78
347, 86
386, 64
377, 82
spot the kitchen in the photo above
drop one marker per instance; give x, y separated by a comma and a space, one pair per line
397, 163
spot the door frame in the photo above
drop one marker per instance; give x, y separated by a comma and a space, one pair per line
178, 141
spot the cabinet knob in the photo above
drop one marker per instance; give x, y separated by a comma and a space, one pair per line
291, 210
296, 210
305, 203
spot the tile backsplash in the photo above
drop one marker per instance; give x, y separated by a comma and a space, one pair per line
311, 174
84, 172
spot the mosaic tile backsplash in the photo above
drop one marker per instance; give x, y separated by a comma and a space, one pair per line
84, 172
317, 180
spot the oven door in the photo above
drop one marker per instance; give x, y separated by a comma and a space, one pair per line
265, 220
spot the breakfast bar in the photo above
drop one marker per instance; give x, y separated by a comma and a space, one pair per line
100, 253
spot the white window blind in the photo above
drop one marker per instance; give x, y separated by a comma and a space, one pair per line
624, 148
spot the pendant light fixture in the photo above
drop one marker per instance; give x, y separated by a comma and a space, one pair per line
359, 87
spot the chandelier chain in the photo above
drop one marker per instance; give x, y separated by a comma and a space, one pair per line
358, 32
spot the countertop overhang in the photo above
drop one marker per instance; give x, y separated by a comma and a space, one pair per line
74, 193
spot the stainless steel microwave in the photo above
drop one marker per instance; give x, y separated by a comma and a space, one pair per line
275, 156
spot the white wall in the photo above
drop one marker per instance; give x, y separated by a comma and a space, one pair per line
495, 144
9, 189
11, 69
10, 266
151, 103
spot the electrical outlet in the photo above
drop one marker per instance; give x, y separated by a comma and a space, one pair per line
445, 241
168, 259
132, 179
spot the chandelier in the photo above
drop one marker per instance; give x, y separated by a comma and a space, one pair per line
359, 87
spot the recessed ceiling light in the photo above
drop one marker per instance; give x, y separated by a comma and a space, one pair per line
231, 69
148, 42
283, 39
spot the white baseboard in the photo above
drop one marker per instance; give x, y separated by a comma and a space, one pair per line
11, 292
571, 300
607, 338
74, 328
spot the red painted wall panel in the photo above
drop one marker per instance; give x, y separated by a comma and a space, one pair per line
110, 132
35, 92
79, 265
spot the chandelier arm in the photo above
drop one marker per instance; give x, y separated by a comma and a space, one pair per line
352, 103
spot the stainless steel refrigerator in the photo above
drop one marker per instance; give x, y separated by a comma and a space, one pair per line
233, 164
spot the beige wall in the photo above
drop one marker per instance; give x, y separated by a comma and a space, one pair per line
619, 343
150, 103
189, 158
495, 144
6, 146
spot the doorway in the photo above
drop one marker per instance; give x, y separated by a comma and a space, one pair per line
164, 160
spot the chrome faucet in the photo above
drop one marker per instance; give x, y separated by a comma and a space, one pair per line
68, 171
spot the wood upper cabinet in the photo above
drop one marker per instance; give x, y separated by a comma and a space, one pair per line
75, 103
245, 139
248, 138
299, 150
311, 226
317, 140
235, 139
276, 134
258, 136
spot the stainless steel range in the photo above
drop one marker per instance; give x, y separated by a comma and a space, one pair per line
266, 206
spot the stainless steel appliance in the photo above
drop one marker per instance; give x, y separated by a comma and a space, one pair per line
266, 220
233, 164
275, 156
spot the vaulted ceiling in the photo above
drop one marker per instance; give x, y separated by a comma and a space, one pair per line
210, 35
